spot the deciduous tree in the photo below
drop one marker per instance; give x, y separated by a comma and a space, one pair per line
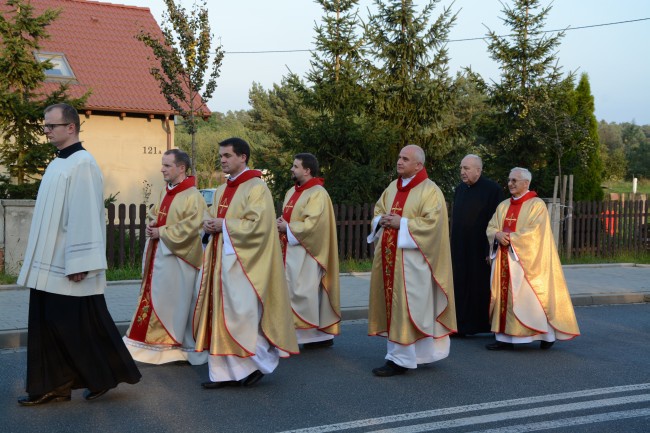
187, 69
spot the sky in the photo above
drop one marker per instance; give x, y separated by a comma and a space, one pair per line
614, 56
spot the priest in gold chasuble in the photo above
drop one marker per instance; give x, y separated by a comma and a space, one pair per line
529, 297
161, 329
310, 250
411, 285
243, 314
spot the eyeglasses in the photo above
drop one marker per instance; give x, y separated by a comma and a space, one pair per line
51, 126
515, 180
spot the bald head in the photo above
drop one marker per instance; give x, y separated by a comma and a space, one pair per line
470, 169
417, 152
410, 161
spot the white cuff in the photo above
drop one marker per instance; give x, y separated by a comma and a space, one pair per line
375, 233
291, 238
228, 249
404, 238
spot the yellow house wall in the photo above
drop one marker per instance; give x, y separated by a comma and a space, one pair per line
129, 152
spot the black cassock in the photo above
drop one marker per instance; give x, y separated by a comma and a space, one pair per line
473, 208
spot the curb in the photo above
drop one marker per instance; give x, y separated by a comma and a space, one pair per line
610, 299
16, 338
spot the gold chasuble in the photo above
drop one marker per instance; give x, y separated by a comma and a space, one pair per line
225, 319
178, 216
528, 292
411, 289
308, 211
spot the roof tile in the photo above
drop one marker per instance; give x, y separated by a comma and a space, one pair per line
99, 41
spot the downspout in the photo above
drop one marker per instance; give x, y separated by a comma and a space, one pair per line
169, 132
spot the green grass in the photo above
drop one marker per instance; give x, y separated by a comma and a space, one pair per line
643, 186
641, 258
351, 265
7, 279
126, 273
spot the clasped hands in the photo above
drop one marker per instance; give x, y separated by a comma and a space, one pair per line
390, 220
78, 277
282, 225
503, 238
151, 231
213, 225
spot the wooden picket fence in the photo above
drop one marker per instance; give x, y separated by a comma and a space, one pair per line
125, 234
600, 229
604, 229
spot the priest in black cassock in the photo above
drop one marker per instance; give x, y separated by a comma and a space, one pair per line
475, 200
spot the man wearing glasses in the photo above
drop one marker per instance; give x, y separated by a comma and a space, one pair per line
529, 298
72, 341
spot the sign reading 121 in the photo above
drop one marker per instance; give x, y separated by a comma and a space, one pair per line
150, 150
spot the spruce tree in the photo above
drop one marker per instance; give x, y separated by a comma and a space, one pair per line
518, 132
325, 113
338, 131
408, 75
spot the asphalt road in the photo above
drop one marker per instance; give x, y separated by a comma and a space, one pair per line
600, 382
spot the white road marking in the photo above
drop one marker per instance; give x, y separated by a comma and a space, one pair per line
516, 414
568, 422
472, 407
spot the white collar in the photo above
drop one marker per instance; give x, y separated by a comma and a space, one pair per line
407, 180
239, 174
517, 198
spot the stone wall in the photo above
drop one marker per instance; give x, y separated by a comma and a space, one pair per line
15, 221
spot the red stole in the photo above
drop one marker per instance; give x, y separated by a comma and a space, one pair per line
140, 325
509, 226
389, 240
224, 202
288, 209
231, 188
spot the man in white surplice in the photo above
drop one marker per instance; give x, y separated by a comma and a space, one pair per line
72, 340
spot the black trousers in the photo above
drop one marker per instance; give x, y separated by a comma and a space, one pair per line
73, 339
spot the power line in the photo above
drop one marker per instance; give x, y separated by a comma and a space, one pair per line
456, 40
561, 30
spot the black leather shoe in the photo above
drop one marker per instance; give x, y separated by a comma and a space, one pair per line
545, 345
389, 369
500, 345
92, 395
216, 385
319, 344
33, 400
252, 378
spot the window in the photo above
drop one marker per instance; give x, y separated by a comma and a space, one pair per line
60, 67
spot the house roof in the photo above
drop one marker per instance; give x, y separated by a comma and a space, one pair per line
98, 40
